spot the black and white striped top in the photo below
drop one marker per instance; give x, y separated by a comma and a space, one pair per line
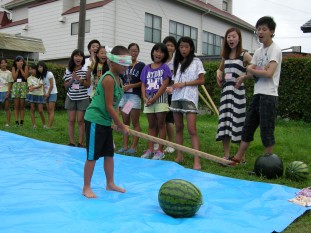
73, 91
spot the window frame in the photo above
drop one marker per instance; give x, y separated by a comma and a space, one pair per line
177, 30
211, 44
156, 33
76, 24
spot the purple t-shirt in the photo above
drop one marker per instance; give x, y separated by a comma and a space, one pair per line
153, 78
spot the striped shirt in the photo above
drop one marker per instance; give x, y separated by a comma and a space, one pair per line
76, 91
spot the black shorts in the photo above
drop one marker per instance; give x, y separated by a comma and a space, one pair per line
262, 112
99, 141
169, 115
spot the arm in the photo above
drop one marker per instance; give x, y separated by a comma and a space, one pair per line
247, 60
143, 92
24, 73
159, 92
14, 73
108, 85
267, 72
219, 72
132, 85
199, 81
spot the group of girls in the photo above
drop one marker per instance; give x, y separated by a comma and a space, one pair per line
33, 84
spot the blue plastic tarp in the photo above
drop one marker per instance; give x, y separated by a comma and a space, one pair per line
41, 185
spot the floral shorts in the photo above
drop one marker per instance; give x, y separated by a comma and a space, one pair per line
19, 90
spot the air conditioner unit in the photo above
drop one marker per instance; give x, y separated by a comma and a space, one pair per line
25, 27
62, 19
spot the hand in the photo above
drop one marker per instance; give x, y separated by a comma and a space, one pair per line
126, 87
169, 90
178, 85
239, 82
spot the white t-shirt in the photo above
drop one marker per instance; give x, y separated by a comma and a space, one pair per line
262, 57
189, 93
86, 66
46, 83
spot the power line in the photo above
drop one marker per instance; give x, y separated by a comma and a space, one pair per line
288, 7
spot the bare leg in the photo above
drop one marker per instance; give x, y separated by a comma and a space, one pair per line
51, 107
126, 120
269, 149
109, 170
170, 131
81, 126
16, 108
32, 114
8, 111
161, 127
178, 118
242, 150
191, 124
135, 114
88, 173
22, 109
71, 126
40, 110
226, 146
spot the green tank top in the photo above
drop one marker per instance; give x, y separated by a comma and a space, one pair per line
97, 112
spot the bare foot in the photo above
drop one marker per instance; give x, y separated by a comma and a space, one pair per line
87, 192
113, 187
179, 159
197, 166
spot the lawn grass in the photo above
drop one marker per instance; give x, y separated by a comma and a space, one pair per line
293, 143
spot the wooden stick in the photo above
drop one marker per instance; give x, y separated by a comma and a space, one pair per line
179, 147
210, 99
207, 103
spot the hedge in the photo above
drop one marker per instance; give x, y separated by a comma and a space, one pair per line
294, 89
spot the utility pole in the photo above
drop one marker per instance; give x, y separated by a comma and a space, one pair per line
81, 31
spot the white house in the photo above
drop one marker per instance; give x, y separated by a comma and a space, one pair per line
121, 22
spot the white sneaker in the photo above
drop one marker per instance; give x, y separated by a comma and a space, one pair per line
147, 155
156, 146
7, 125
158, 155
169, 149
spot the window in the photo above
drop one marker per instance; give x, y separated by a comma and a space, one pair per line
178, 30
153, 26
211, 43
75, 27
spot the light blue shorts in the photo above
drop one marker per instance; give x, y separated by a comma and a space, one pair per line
52, 98
135, 99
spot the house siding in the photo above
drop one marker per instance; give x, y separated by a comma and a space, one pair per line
119, 22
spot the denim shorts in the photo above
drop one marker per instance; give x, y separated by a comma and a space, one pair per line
135, 99
52, 98
183, 106
262, 112
3, 95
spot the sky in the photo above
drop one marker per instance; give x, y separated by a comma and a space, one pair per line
289, 16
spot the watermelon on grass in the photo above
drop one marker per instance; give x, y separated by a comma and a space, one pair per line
297, 171
269, 166
179, 198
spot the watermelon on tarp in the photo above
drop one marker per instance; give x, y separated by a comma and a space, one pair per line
179, 198
297, 171
269, 166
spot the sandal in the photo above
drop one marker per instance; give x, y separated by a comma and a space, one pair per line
234, 160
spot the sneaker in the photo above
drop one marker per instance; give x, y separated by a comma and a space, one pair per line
34, 126
169, 149
44, 127
122, 150
147, 155
130, 151
156, 146
7, 125
158, 155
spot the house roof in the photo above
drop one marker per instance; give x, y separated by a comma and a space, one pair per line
210, 9
21, 43
306, 28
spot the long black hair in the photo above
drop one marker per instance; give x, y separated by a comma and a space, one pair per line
44, 71
180, 59
163, 48
105, 65
19, 58
71, 63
